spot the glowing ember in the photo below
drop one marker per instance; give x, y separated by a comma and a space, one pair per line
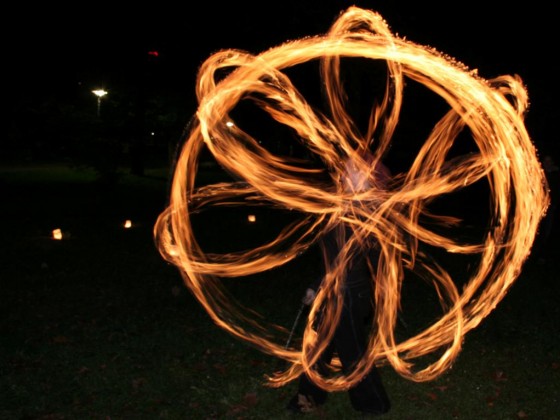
57, 234
252, 218
490, 112
127, 224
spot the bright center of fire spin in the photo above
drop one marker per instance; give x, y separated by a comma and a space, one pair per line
491, 110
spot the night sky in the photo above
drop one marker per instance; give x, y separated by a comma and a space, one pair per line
55, 49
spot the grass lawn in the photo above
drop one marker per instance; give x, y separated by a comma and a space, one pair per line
99, 326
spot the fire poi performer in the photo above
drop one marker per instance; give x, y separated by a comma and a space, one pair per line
349, 342
503, 161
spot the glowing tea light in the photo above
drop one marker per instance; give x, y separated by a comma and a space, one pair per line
252, 218
127, 224
57, 234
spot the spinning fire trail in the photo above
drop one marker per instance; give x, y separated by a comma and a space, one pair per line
491, 111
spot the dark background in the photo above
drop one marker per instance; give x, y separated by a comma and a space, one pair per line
56, 55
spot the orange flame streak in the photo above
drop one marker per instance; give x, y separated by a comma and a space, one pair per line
506, 160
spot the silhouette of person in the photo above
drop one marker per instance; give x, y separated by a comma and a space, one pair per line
350, 338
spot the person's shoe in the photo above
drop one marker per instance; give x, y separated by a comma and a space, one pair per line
373, 412
301, 404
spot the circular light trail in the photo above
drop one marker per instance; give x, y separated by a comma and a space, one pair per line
490, 111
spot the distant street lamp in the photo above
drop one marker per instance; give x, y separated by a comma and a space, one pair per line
100, 93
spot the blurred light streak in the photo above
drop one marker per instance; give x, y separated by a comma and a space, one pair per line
492, 110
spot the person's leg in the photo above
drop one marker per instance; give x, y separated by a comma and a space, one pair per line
308, 392
369, 395
309, 395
